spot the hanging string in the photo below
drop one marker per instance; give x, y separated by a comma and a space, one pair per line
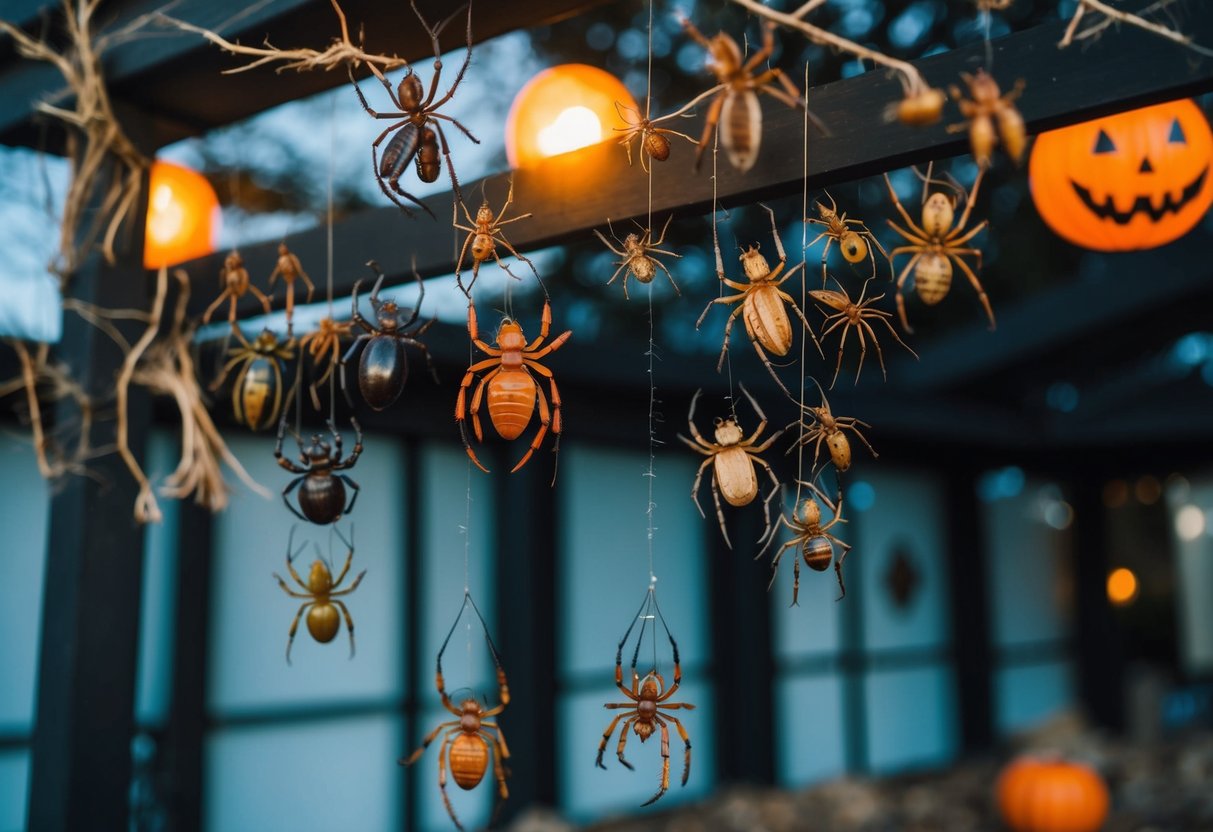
329, 240
987, 14
716, 242
650, 475
804, 268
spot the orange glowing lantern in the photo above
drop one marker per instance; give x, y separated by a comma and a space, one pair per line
562, 109
1130, 181
182, 216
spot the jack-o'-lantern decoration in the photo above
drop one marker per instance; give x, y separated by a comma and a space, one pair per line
1135, 180
1051, 795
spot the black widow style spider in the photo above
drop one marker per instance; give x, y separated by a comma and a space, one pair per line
384, 367
322, 496
416, 113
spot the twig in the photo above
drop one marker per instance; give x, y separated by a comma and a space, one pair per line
1113, 15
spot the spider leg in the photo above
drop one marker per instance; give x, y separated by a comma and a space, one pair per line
695, 486
455, 122
286, 493
710, 122
662, 266
905, 215
722, 299
288, 590
425, 350
895, 335
290, 639
353, 487
842, 343
499, 739
724, 347
446, 154
349, 621
467, 60
766, 503
682, 732
446, 800
545, 419
968, 235
901, 282
477, 398
846, 549
863, 348
971, 201
803, 320
210, 310
665, 761
508, 247
761, 355
499, 751
760, 55
719, 511
623, 741
981, 293
425, 743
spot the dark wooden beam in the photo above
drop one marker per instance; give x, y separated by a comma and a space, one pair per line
579, 191
176, 75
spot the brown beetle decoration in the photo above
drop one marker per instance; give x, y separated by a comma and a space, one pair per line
470, 737
637, 252
760, 304
320, 592
814, 539
257, 392
384, 367
733, 458
823, 425
988, 103
321, 489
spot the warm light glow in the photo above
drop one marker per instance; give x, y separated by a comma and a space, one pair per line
1189, 522
563, 109
573, 129
1122, 586
182, 216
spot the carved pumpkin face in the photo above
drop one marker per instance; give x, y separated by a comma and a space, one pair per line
1134, 180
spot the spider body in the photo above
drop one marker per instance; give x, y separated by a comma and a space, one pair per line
257, 390
509, 386
936, 245
321, 593
416, 131
484, 234
470, 739
653, 141
736, 103
855, 240
918, 108
733, 457
290, 269
812, 537
856, 315
761, 304
986, 106
824, 426
383, 367
235, 284
637, 251
320, 483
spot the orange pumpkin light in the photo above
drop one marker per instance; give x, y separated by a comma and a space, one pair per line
1135, 180
562, 109
182, 216
1037, 795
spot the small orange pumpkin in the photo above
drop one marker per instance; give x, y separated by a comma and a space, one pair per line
1134, 180
1038, 795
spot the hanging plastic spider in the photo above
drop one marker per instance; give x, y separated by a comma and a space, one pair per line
637, 251
858, 315
321, 594
813, 537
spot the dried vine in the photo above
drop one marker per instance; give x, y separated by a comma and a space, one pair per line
1113, 16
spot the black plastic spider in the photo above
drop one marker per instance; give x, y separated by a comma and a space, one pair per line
322, 496
416, 112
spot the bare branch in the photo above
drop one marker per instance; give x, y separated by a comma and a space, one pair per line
1116, 16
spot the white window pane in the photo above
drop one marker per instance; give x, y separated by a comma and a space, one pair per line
317, 777
911, 718
14, 788
473, 807
1028, 571
588, 793
810, 733
604, 553
23, 516
811, 628
1027, 696
158, 597
906, 520
251, 615
444, 482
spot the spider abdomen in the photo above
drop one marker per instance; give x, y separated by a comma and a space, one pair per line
735, 475
322, 498
766, 320
382, 371
840, 450
932, 278
258, 392
511, 401
657, 145
469, 760
854, 249
428, 164
323, 621
741, 128
818, 552
400, 150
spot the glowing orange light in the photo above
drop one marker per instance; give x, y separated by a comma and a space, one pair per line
1122, 586
182, 216
562, 109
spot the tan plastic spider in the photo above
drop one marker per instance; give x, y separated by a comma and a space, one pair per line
323, 344
320, 592
855, 314
653, 141
484, 235
637, 251
820, 424
813, 537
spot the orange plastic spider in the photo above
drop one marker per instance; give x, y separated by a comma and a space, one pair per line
653, 141
324, 341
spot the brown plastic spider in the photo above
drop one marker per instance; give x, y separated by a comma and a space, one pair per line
484, 233
733, 457
760, 304
468, 736
823, 425
645, 712
653, 141
936, 245
289, 269
417, 125
856, 314
324, 341
636, 252
988, 104
321, 592
814, 539
737, 97
854, 243
235, 284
